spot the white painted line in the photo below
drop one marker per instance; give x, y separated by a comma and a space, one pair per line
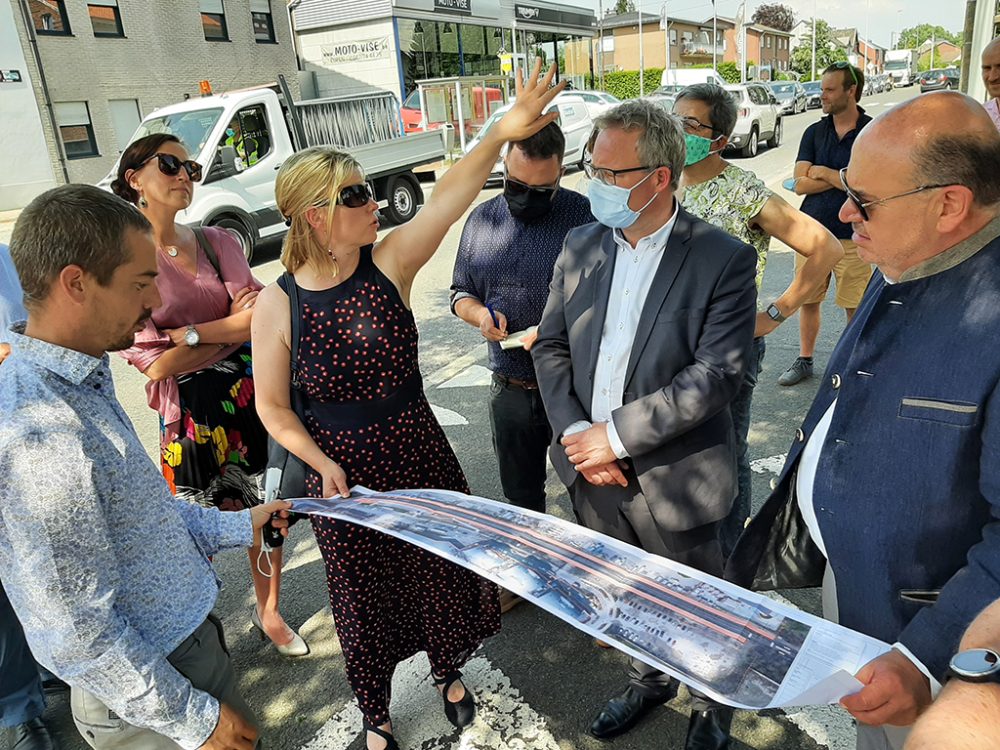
447, 417
476, 375
769, 465
503, 720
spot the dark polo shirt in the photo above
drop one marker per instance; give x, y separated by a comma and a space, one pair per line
821, 146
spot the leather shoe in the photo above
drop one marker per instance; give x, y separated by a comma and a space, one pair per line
709, 730
33, 735
623, 712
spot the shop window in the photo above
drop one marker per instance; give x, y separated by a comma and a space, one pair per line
263, 23
75, 129
248, 134
213, 21
105, 18
49, 17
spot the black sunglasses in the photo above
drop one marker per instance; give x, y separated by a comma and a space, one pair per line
516, 187
863, 205
355, 196
170, 165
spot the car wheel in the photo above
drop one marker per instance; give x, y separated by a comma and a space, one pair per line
750, 150
401, 196
241, 230
775, 140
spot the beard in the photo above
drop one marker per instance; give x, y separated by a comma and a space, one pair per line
127, 341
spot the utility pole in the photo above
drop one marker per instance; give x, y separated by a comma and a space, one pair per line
933, 45
642, 64
666, 40
715, 37
600, 43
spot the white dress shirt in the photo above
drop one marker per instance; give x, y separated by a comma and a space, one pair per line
630, 282
804, 481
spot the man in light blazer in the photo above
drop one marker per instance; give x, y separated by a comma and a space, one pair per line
640, 349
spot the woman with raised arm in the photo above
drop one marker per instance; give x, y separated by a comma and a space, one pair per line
196, 354
368, 421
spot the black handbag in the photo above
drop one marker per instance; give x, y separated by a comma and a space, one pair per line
285, 476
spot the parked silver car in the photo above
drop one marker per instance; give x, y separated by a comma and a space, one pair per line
790, 95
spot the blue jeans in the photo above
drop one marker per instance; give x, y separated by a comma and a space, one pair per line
732, 525
21, 696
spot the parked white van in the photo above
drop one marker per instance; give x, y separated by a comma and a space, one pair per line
690, 76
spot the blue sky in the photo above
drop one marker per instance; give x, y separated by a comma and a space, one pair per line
883, 18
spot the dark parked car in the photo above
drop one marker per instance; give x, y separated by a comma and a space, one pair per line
813, 90
943, 79
790, 95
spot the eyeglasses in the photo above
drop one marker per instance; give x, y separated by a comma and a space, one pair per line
516, 187
355, 196
610, 176
844, 65
171, 165
862, 206
693, 123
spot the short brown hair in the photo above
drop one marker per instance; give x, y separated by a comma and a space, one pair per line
71, 225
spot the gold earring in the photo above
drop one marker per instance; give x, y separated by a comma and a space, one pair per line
142, 202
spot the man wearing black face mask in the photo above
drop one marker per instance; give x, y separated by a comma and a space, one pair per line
505, 258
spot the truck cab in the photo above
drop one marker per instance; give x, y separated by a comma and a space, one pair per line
243, 137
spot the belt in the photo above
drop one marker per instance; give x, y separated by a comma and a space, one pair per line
528, 385
351, 413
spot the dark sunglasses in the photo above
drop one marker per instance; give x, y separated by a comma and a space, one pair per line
844, 65
355, 196
516, 187
863, 205
170, 165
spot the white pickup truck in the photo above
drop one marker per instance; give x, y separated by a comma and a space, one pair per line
243, 137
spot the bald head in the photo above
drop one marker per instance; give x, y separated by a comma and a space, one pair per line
991, 68
946, 138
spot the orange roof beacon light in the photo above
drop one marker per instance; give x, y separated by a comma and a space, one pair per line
205, 87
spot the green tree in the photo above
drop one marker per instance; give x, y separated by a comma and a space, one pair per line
914, 36
621, 7
827, 51
775, 15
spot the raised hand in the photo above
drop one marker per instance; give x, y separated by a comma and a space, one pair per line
525, 117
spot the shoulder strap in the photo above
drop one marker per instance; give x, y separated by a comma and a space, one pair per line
199, 233
292, 290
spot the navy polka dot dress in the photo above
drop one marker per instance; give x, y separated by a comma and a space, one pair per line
390, 600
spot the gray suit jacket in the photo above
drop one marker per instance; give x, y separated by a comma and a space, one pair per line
687, 362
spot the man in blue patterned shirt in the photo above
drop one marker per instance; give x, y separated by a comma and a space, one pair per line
501, 280
108, 573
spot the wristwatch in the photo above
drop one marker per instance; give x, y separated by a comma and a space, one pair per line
191, 336
976, 665
775, 314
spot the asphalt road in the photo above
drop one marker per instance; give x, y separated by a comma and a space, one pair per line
539, 681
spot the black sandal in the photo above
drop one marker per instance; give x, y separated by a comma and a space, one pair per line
462, 712
390, 741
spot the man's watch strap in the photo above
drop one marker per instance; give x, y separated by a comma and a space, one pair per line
775, 314
980, 665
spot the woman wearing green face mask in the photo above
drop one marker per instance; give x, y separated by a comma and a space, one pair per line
737, 201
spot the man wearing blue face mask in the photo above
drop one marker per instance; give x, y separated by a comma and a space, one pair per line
501, 279
641, 349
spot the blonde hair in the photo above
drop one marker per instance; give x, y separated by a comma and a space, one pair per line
311, 178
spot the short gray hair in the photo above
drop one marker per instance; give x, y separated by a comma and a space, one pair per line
661, 142
71, 225
968, 159
722, 108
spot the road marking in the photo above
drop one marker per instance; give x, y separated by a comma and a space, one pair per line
448, 377
503, 720
447, 417
769, 465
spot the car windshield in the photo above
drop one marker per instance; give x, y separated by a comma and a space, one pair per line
610, 99
812, 86
413, 100
896, 64
782, 88
935, 73
193, 128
